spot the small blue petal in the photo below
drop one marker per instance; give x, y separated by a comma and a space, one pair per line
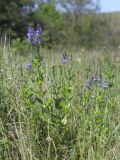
104, 85
28, 66
64, 59
39, 31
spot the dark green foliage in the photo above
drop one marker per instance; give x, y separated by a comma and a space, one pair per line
77, 25
11, 19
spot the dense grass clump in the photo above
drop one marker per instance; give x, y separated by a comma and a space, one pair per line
55, 107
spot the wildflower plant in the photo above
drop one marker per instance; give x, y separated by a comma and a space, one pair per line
28, 65
64, 59
32, 89
62, 90
96, 81
48, 112
34, 37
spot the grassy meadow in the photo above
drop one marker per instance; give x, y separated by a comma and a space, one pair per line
60, 107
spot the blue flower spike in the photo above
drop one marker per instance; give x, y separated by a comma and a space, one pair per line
64, 59
34, 37
28, 65
30, 33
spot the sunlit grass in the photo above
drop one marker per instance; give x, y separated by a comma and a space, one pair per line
67, 121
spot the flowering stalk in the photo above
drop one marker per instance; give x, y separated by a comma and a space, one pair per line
96, 81
35, 37
64, 59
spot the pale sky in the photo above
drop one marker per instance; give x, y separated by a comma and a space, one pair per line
109, 5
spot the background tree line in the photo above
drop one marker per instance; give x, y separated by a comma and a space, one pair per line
64, 22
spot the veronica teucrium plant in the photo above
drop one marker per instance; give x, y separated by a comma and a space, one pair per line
34, 38
32, 89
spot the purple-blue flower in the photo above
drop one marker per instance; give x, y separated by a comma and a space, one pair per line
30, 33
34, 37
39, 31
104, 85
28, 66
97, 81
64, 59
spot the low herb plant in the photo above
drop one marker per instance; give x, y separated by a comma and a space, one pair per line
65, 110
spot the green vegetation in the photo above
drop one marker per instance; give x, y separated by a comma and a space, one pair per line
60, 89
11, 19
48, 111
